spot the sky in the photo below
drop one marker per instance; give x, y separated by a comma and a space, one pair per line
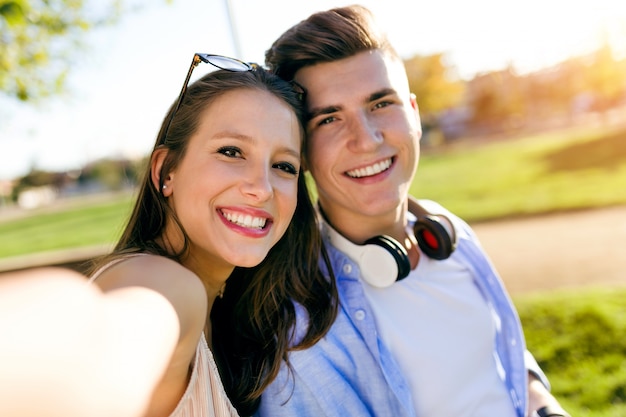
127, 76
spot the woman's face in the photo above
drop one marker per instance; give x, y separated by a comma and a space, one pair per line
235, 190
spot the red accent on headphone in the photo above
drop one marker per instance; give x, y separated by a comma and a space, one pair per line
430, 239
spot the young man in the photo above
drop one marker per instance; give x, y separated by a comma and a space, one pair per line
445, 340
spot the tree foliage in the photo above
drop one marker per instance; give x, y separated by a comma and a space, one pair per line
605, 78
434, 83
506, 102
39, 40
496, 97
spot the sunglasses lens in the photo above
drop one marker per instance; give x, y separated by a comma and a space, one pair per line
228, 64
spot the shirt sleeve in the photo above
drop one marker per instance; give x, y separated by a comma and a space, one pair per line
533, 368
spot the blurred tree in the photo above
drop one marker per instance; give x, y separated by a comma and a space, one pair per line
606, 78
549, 92
497, 100
38, 178
438, 90
38, 39
568, 82
435, 83
112, 174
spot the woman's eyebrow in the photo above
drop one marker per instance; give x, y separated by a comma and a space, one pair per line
226, 134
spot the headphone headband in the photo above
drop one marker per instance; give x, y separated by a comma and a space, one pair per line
383, 260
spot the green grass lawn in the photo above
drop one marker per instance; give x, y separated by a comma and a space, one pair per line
82, 223
537, 174
579, 340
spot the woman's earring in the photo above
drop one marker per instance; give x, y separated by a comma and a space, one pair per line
164, 186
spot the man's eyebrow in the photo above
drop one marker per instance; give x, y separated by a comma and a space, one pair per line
320, 111
382, 93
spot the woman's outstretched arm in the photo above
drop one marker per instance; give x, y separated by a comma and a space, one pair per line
68, 349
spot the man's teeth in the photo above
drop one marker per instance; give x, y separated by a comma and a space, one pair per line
377, 168
246, 220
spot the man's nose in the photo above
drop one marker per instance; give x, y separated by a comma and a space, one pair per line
365, 136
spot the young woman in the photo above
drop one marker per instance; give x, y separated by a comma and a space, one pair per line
224, 195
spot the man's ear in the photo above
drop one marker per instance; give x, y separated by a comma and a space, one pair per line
416, 109
162, 185
413, 100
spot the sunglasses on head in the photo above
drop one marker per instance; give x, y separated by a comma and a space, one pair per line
218, 61
223, 63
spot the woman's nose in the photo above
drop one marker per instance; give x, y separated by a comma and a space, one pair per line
258, 184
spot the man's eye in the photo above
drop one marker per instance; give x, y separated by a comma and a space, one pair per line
381, 104
327, 120
287, 167
230, 151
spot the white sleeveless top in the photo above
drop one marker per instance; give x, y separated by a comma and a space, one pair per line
205, 395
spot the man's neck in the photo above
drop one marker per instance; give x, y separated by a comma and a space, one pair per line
359, 228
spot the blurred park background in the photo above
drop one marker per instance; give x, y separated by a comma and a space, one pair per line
501, 146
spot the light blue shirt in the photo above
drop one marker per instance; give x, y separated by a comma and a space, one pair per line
351, 373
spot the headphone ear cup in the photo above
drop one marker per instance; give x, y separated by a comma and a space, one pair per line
397, 251
433, 237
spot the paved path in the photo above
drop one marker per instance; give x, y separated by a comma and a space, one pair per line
558, 251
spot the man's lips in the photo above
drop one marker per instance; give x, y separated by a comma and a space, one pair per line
370, 170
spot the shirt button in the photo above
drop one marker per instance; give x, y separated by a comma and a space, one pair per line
359, 315
347, 268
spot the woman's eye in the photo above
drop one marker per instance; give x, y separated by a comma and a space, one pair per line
230, 151
287, 167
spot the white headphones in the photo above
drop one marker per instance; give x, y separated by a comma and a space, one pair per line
435, 236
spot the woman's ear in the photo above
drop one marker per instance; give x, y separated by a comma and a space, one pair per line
162, 185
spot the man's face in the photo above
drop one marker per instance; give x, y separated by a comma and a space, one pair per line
362, 137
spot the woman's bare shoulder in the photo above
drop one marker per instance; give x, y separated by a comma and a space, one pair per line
153, 271
179, 285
